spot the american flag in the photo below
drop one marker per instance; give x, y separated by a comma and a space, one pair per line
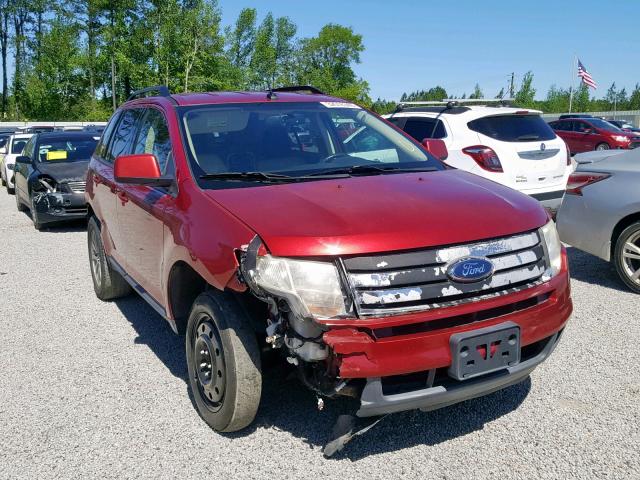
586, 76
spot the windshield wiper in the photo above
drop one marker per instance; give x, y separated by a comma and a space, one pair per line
259, 176
371, 169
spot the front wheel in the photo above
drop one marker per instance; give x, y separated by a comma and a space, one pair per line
602, 146
224, 363
34, 216
19, 205
627, 256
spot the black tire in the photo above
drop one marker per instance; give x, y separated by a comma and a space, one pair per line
10, 191
107, 283
626, 256
220, 338
19, 205
603, 146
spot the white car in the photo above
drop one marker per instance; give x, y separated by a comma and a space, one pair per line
511, 146
8, 154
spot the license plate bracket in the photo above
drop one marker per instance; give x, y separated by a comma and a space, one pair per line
483, 351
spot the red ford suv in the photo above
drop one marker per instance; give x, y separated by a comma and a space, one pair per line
252, 223
587, 134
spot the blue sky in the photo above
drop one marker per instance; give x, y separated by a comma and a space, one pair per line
413, 44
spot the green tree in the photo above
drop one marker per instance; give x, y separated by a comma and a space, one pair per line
634, 98
327, 60
477, 93
525, 96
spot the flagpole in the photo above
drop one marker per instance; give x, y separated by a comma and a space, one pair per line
573, 79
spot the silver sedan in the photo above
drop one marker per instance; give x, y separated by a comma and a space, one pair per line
600, 212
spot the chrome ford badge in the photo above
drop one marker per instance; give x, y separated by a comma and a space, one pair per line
470, 269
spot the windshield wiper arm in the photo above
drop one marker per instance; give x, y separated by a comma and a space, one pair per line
247, 176
374, 169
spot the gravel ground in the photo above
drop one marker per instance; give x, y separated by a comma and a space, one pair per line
92, 389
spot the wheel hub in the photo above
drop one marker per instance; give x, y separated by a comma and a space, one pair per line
209, 362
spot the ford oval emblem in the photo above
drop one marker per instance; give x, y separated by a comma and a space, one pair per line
470, 270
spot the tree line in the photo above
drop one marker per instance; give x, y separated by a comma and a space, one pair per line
556, 100
79, 59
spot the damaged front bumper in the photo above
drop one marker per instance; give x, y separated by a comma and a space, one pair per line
374, 402
414, 357
59, 206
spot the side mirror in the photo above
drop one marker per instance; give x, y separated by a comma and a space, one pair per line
3, 151
436, 147
23, 160
140, 169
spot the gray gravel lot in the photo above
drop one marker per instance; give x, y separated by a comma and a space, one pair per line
91, 389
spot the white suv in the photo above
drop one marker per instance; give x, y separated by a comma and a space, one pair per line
511, 146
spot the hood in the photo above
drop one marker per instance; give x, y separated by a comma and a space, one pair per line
65, 171
380, 213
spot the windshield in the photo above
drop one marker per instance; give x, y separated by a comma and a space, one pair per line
295, 139
66, 150
18, 145
604, 125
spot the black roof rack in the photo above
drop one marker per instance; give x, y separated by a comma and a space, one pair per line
162, 90
308, 89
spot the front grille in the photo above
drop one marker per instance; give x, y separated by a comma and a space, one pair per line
77, 187
396, 283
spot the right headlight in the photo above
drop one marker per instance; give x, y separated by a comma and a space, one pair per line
554, 248
312, 289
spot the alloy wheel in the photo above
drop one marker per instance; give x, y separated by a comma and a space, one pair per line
631, 257
95, 251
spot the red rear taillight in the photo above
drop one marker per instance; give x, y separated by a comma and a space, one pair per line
579, 180
568, 154
485, 157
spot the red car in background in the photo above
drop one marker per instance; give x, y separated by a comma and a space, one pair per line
586, 134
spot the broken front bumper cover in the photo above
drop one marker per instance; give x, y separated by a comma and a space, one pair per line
58, 206
374, 402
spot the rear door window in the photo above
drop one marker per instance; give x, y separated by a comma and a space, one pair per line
513, 128
421, 128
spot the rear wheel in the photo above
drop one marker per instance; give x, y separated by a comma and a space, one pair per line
627, 256
223, 358
107, 283
603, 146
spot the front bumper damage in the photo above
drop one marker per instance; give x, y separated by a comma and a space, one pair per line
380, 356
59, 206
